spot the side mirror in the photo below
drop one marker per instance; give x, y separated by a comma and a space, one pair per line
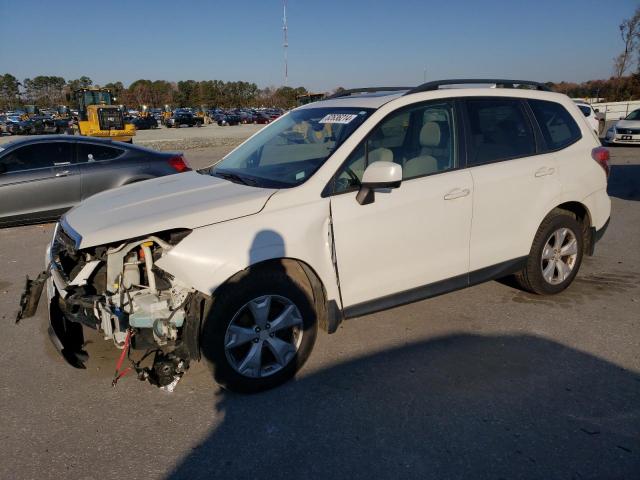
597, 110
378, 175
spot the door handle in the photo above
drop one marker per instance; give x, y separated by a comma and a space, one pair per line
457, 193
544, 171
63, 173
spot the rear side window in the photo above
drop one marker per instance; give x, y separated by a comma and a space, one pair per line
499, 130
559, 129
91, 152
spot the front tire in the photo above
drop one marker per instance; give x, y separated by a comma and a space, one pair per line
555, 256
260, 329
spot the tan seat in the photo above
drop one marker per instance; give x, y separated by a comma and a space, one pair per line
424, 164
377, 155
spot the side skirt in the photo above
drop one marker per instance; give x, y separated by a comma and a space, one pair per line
437, 288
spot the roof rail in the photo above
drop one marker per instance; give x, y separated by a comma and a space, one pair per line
499, 82
351, 91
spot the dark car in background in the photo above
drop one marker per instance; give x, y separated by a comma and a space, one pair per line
14, 125
180, 118
143, 123
261, 118
42, 177
229, 118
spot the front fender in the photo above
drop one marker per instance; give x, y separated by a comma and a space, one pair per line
211, 255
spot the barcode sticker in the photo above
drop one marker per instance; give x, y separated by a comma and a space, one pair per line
338, 118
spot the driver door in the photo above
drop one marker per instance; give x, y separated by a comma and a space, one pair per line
411, 242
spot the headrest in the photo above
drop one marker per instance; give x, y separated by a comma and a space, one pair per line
430, 135
380, 155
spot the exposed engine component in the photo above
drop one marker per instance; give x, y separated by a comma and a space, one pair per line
119, 291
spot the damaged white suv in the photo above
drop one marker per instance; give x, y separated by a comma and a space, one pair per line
343, 207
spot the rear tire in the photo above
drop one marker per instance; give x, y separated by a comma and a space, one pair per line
229, 337
555, 256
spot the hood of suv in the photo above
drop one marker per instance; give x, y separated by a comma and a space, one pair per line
628, 124
185, 200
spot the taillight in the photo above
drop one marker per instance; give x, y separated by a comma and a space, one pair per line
178, 164
601, 155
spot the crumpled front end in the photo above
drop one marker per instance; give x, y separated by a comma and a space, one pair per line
119, 291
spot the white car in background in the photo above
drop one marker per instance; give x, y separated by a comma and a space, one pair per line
340, 208
590, 114
625, 131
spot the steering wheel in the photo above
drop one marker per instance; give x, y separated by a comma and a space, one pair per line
343, 183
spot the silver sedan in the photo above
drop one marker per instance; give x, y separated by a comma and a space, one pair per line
41, 178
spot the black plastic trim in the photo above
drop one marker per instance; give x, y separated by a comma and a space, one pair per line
596, 236
437, 288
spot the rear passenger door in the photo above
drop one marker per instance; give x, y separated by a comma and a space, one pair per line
514, 183
39, 181
100, 167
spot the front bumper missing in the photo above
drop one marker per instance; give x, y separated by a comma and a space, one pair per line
67, 337
31, 296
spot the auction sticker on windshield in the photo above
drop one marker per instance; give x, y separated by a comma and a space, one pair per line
338, 118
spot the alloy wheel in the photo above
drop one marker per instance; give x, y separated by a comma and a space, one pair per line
263, 336
559, 256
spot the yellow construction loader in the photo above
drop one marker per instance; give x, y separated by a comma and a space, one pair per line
98, 117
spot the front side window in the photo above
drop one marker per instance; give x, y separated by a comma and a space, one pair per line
420, 138
88, 152
39, 155
559, 129
288, 152
499, 130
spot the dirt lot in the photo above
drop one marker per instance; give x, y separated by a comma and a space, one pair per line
488, 382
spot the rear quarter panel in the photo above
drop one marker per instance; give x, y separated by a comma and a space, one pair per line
133, 167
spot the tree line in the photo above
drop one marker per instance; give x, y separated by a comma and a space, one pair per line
50, 91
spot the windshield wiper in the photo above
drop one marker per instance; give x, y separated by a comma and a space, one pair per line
234, 177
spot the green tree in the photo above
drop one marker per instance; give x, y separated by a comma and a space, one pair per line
45, 90
9, 90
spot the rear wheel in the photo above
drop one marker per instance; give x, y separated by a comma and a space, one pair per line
556, 255
260, 330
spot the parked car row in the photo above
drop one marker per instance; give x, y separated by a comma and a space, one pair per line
238, 116
36, 125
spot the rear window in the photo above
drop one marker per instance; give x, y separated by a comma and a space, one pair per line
559, 129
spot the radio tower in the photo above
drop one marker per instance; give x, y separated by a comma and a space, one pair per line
286, 42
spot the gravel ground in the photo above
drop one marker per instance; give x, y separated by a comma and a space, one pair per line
487, 382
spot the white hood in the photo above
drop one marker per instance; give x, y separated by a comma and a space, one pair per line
628, 124
185, 200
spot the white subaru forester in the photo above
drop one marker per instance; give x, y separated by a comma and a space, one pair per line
367, 200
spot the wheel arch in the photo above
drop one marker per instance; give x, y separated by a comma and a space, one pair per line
329, 314
582, 214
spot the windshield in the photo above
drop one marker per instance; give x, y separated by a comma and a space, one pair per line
288, 152
635, 115
96, 97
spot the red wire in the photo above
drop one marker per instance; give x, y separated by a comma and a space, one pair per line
119, 374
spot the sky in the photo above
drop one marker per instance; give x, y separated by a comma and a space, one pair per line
348, 43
